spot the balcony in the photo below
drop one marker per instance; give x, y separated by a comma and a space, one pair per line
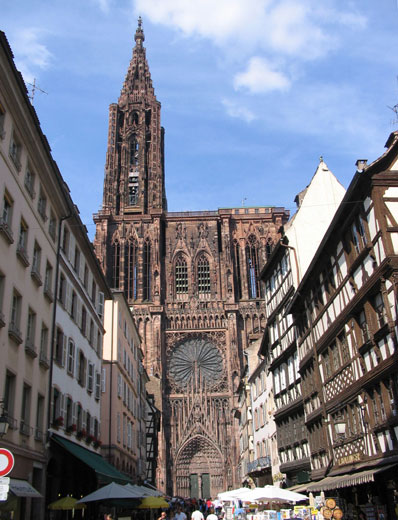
48, 293
14, 333
35, 274
6, 230
22, 255
259, 464
30, 349
25, 429
43, 360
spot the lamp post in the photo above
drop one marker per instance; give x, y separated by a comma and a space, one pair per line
340, 425
3, 421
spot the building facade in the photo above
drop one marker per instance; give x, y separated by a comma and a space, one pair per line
346, 318
32, 202
123, 404
281, 275
191, 280
75, 373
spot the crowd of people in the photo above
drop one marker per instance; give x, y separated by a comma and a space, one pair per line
193, 509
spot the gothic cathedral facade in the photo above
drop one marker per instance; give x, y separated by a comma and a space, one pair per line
191, 280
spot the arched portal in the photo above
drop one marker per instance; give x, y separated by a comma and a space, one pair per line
199, 469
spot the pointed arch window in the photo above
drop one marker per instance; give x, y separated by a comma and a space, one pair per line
131, 265
238, 280
134, 151
252, 262
147, 270
116, 265
181, 275
203, 271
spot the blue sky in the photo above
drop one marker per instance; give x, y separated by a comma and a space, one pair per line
253, 92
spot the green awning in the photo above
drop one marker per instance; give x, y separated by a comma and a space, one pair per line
106, 473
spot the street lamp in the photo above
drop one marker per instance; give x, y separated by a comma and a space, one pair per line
340, 425
3, 421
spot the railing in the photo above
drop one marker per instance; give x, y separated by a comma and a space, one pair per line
259, 464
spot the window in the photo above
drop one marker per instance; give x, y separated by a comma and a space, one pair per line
69, 414
76, 265
101, 304
52, 226
2, 284
59, 347
252, 267
362, 322
56, 409
42, 205
15, 151
130, 264
62, 290
7, 210
147, 270
39, 418
71, 357
238, 281
73, 306
36, 260
15, 317
380, 309
85, 276
93, 292
30, 182
83, 327
181, 275
97, 385
22, 243
90, 377
48, 280
44, 344
65, 241
116, 265
81, 375
2, 121
25, 410
91, 333
9, 393
203, 273
31, 329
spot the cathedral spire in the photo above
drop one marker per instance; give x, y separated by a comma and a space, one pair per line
138, 82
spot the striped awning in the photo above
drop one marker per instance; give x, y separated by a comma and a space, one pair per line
352, 479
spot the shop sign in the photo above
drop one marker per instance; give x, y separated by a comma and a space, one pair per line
349, 459
4, 487
6, 462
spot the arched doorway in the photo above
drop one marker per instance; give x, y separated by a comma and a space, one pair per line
199, 469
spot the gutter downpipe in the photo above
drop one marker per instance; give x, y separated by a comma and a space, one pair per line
53, 321
110, 387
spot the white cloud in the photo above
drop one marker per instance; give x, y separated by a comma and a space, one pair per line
239, 111
30, 53
104, 5
260, 76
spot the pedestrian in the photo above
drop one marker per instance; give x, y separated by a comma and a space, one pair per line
180, 515
108, 516
163, 516
197, 515
211, 515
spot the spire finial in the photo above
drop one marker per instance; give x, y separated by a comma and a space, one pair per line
139, 33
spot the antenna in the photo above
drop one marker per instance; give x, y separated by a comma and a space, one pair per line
33, 90
243, 200
395, 107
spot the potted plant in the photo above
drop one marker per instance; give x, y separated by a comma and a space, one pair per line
71, 428
81, 433
58, 421
90, 438
97, 443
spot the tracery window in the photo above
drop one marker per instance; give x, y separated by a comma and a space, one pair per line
147, 270
203, 271
134, 151
116, 265
238, 281
253, 282
181, 275
131, 265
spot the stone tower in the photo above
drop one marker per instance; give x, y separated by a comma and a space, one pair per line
191, 279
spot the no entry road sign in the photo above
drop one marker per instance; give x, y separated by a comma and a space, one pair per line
6, 462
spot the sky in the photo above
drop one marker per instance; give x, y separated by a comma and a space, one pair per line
253, 92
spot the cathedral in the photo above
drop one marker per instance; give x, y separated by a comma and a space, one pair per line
192, 283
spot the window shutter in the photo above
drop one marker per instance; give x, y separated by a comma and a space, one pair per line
97, 385
79, 312
77, 350
64, 348
62, 403
101, 304
103, 380
68, 298
74, 414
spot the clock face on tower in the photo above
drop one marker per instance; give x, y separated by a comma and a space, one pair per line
195, 360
